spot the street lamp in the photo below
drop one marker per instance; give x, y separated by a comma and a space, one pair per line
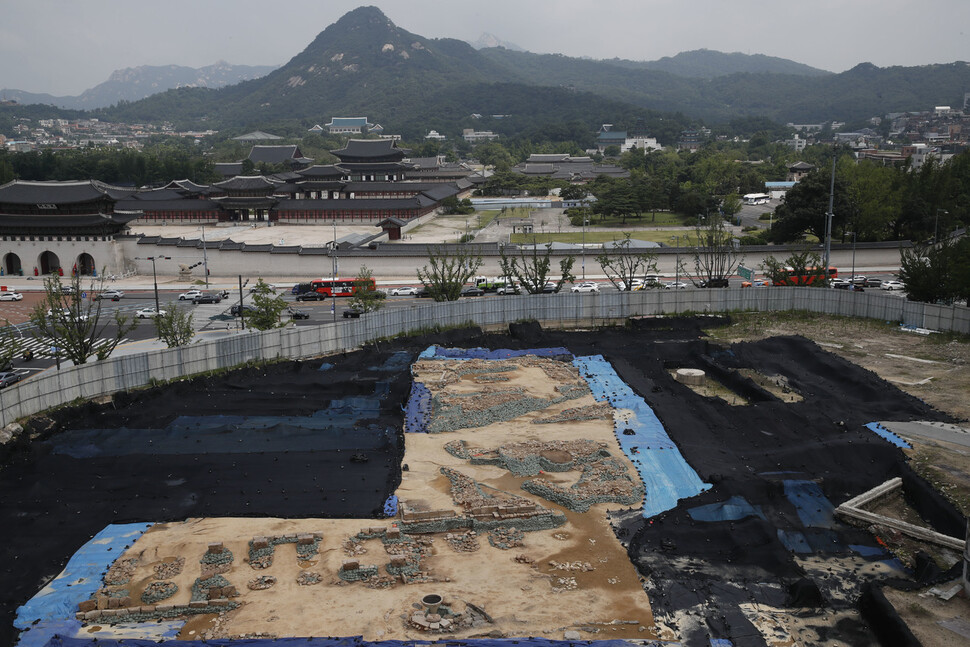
154, 275
205, 259
936, 223
853, 257
333, 251
585, 220
676, 240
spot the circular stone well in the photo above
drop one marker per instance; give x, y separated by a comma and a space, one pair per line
690, 376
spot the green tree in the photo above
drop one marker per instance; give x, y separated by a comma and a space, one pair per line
10, 345
716, 256
175, 327
621, 264
731, 204
937, 273
366, 298
73, 324
269, 306
805, 262
530, 268
448, 270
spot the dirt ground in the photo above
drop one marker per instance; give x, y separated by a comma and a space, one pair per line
573, 577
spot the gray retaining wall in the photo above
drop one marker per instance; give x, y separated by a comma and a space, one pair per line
56, 387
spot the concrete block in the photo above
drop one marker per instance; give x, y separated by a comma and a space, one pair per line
114, 603
87, 605
350, 565
125, 602
92, 615
199, 604
216, 547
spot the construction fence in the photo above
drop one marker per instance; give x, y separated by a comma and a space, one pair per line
57, 387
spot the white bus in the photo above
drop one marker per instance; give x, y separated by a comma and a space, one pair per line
756, 198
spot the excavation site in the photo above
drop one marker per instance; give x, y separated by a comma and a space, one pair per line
644, 484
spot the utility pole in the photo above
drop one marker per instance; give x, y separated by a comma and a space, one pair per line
828, 220
205, 259
242, 312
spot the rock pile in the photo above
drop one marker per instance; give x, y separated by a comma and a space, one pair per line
158, 591
463, 542
168, 570
308, 578
261, 583
120, 572
506, 538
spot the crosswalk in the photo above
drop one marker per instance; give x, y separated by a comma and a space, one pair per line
42, 348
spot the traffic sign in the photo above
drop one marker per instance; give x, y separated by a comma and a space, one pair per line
745, 273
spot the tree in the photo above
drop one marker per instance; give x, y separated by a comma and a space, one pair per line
269, 307
622, 265
9, 345
805, 208
716, 257
366, 298
175, 327
936, 273
447, 271
731, 204
804, 263
573, 192
65, 320
531, 268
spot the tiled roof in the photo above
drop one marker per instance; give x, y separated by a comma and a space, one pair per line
27, 192
256, 135
370, 150
274, 154
245, 183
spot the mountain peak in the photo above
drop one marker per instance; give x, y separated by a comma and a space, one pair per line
491, 40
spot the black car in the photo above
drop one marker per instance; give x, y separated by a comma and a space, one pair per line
472, 291
235, 310
714, 283
297, 314
6, 379
207, 298
352, 313
311, 296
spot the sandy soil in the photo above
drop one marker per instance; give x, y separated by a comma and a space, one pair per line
575, 577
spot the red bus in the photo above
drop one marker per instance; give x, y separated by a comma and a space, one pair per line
812, 275
338, 287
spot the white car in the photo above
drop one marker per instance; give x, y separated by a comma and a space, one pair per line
66, 314
11, 296
148, 313
508, 289
111, 294
406, 291
191, 294
585, 287
675, 285
892, 285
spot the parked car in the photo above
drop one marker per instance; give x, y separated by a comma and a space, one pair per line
8, 378
424, 293
759, 283
207, 298
508, 289
150, 313
472, 291
550, 288
857, 280
405, 291
635, 284
67, 289
297, 314
352, 313
892, 285
839, 284
873, 283
585, 287
311, 296
675, 285
191, 294
235, 310
114, 295
10, 295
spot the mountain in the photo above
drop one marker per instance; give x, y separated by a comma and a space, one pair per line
707, 64
490, 40
364, 65
134, 83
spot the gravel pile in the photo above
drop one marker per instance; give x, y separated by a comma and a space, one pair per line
506, 538
158, 591
120, 572
463, 542
168, 570
261, 583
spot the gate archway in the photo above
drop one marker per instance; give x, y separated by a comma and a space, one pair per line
85, 265
49, 262
12, 266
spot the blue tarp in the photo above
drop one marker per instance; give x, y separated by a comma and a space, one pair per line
666, 476
417, 412
721, 642
885, 434
353, 641
54, 606
813, 507
439, 352
737, 507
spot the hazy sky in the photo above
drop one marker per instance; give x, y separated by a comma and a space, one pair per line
66, 46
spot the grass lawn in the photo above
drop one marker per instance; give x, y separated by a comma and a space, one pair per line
596, 236
649, 219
